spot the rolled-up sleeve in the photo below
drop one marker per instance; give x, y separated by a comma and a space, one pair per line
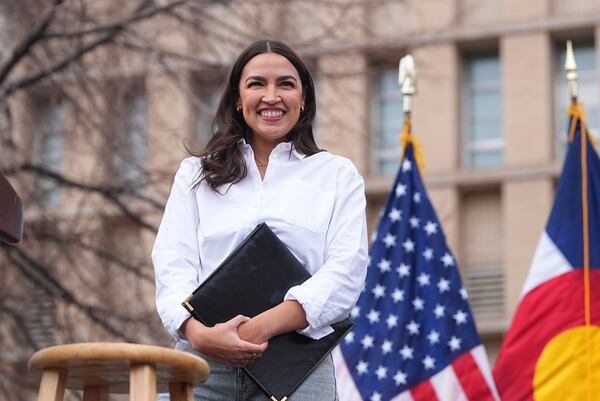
175, 254
329, 295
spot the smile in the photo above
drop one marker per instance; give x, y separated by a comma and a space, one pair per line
271, 113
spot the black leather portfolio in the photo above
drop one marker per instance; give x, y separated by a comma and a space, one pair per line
255, 277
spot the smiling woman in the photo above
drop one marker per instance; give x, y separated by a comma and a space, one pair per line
271, 98
262, 165
267, 77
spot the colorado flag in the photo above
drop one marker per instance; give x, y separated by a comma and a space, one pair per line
552, 349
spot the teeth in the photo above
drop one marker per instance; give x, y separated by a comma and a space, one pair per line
271, 113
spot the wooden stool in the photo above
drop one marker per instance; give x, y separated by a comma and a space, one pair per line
102, 368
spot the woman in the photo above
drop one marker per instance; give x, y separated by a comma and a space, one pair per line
262, 165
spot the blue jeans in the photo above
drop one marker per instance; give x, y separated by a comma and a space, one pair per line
230, 384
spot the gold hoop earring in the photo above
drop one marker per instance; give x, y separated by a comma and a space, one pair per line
302, 109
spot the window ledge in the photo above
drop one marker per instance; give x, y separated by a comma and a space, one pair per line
470, 179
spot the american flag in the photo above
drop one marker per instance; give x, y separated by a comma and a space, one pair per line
415, 338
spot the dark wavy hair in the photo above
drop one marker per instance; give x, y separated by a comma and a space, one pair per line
222, 160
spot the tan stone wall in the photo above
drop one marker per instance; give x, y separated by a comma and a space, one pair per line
391, 20
527, 86
525, 208
437, 107
574, 7
446, 202
169, 117
481, 229
515, 10
345, 104
479, 12
434, 15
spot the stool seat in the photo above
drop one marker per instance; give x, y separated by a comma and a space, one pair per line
102, 368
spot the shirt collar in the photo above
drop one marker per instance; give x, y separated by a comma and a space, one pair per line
281, 148
284, 147
242, 144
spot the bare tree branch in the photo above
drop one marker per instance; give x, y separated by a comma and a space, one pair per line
17, 318
36, 34
39, 274
111, 192
111, 31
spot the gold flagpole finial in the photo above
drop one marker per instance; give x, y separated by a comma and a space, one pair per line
571, 69
407, 78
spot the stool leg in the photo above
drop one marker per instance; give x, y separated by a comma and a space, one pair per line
96, 393
180, 391
142, 383
52, 386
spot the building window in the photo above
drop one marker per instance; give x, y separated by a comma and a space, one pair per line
130, 147
48, 147
318, 122
206, 104
387, 122
585, 57
482, 112
4, 32
40, 319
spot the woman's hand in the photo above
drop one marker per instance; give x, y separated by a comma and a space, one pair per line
255, 330
283, 318
222, 341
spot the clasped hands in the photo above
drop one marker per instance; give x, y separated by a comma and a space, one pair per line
234, 343
240, 340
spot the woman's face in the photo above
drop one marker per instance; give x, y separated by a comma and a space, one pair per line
270, 96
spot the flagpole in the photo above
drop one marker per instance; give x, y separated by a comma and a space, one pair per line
578, 114
571, 69
407, 78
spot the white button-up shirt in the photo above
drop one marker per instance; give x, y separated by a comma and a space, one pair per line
315, 205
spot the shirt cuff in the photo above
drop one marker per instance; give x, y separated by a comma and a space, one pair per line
177, 320
316, 334
313, 309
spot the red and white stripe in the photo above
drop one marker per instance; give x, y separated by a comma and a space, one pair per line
468, 378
